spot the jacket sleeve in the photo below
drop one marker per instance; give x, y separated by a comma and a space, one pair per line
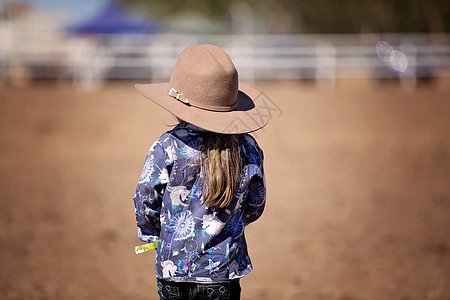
149, 192
256, 195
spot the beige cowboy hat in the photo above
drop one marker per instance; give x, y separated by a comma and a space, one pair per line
204, 90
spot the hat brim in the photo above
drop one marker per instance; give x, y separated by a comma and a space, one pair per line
252, 112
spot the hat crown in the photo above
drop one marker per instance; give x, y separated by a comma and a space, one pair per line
204, 90
205, 77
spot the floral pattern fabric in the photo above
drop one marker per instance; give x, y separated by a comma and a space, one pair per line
196, 243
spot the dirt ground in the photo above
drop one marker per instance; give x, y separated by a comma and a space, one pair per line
358, 202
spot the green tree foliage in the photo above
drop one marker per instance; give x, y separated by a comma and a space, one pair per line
340, 16
321, 16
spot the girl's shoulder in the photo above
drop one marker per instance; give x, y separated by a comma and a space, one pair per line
249, 140
176, 133
250, 150
175, 143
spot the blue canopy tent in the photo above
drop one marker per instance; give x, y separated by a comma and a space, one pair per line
114, 19
113, 26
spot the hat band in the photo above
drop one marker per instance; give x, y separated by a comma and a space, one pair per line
179, 96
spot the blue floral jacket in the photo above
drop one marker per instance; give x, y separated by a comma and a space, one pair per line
196, 242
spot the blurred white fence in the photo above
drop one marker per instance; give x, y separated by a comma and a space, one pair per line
325, 58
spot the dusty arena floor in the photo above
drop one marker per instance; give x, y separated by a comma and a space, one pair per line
358, 202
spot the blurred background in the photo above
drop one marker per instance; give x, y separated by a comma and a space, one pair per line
357, 152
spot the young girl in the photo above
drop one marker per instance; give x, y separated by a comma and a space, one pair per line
203, 181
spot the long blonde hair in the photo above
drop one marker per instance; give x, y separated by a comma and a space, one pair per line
221, 166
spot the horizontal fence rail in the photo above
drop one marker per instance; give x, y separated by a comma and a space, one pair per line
325, 58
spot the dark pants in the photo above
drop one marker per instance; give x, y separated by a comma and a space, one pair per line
230, 290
